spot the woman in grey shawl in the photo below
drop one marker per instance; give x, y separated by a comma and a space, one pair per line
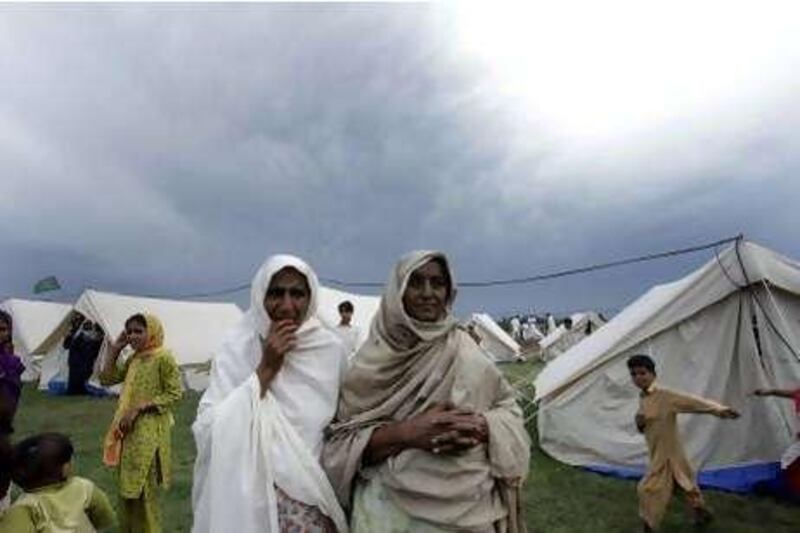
428, 435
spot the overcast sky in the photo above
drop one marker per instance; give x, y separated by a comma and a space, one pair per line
168, 149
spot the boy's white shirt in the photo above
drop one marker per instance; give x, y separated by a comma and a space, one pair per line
349, 335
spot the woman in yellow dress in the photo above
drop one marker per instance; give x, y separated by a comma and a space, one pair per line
138, 441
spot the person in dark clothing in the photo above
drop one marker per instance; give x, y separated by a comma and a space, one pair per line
83, 343
6, 460
11, 369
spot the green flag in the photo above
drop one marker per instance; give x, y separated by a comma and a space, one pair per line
49, 283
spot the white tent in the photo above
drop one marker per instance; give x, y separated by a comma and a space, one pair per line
728, 328
496, 343
193, 330
562, 339
364, 308
33, 322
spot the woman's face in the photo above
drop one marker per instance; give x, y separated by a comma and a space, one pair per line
5, 332
136, 334
287, 297
425, 297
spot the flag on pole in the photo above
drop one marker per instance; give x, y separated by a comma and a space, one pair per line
47, 284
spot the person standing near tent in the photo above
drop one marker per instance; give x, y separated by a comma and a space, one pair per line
516, 328
11, 369
668, 465
138, 443
530, 332
259, 427
428, 435
346, 330
790, 461
83, 343
551, 323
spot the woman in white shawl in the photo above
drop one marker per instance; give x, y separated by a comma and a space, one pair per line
259, 427
428, 436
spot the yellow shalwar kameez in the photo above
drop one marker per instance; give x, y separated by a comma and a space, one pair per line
75, 505
143, 455
668, 464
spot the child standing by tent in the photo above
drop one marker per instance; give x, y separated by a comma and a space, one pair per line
657, 419
138, 441
790, 461
53, 499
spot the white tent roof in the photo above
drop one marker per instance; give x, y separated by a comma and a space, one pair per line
364, 308
552, 337
193, 330
666, 305
487, 326
579, 321
34, 320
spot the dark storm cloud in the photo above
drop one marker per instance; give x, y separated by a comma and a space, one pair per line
169, 149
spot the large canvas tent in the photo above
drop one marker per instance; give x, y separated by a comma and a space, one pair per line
728, 328
494, 340
364, 309
193, 330
562, 339
33, 322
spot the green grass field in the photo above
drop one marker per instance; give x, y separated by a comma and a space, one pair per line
559, 498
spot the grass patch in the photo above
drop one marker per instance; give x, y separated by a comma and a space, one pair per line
558, 498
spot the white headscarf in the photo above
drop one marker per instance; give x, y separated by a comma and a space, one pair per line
247, 444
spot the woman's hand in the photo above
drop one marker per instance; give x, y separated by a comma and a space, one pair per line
114, 349
444, 429
120, 342
280, 340
128, 420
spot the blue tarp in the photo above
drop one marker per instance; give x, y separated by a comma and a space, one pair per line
59, 388
740, 479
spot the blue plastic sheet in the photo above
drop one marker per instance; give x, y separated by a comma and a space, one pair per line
742, 479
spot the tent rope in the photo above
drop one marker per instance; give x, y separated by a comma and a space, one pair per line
749, 288
466, 284
559, 274
725, 270
780, 314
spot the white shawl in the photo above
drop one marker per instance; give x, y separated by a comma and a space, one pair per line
247, 444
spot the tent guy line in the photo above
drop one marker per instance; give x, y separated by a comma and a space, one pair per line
747, 287
562, 273
481, 284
